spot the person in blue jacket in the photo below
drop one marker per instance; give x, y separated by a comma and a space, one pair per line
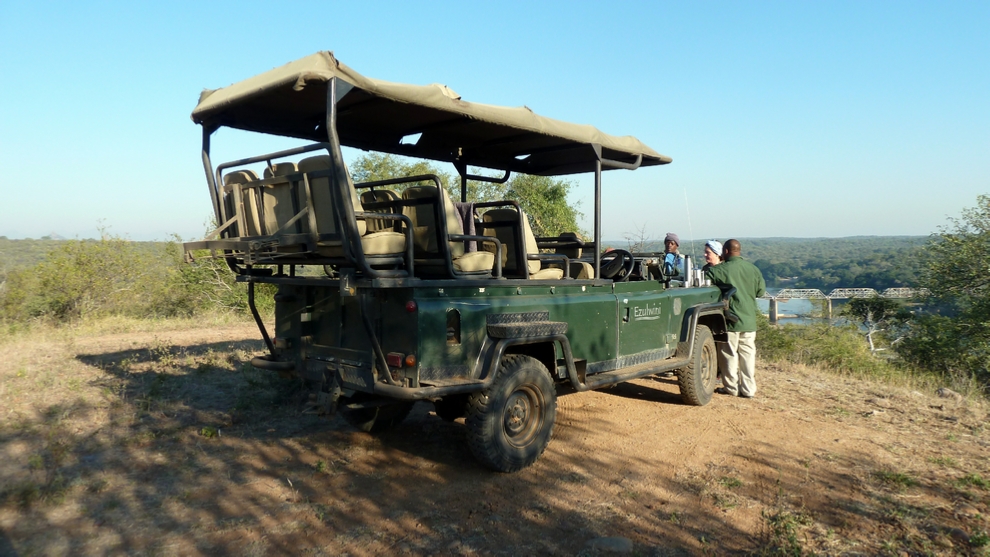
673, 261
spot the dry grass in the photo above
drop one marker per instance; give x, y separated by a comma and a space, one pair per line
159, 438
41, 330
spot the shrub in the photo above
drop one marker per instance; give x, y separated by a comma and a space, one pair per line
840, 348
773, 343
952, 348
113, 276
78, 277
953, 338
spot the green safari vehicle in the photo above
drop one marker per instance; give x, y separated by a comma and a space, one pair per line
390, 292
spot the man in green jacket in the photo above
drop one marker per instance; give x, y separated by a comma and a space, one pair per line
739, 354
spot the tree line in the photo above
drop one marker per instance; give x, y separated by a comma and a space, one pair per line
827, 263
877, 262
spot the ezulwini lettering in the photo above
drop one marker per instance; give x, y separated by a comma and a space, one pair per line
647, 313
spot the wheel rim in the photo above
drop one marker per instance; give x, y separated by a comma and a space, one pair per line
522, 416
709, 365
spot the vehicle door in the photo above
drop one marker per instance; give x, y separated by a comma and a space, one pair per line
645, 310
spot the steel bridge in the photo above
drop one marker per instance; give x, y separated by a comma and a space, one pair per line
844, 293
837, 294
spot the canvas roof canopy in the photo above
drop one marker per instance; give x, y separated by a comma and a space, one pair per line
377, 115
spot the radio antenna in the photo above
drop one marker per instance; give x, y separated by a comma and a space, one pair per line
690, 230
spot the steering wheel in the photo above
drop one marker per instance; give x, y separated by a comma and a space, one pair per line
617, 263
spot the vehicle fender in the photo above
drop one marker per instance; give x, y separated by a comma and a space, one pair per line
711, 315
541, 347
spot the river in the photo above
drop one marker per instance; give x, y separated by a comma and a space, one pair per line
798, 311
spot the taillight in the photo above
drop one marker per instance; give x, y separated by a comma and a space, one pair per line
394, 359
410, 361
411, 306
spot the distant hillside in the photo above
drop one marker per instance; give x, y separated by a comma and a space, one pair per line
862, 261
858, 261
19, 254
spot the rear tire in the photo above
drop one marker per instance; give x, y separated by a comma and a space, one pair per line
697, 380
375, 419
510, 423
451, 407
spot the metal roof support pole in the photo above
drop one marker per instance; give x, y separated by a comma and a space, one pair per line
208, 166
598, 218
462, 171
353, 251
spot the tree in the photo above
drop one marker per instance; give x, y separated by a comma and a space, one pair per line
639, 240
953, 337
875, 313
543, 198
382, 166
957, 258
379, 166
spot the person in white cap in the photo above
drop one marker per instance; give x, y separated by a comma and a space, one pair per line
713, 254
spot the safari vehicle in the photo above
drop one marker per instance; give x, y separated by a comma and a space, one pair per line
421, 298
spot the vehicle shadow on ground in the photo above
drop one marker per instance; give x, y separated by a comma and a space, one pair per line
646, 392
190, 449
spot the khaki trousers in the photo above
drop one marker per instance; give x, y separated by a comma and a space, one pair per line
739, 363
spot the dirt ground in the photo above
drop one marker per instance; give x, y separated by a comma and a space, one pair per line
169, 443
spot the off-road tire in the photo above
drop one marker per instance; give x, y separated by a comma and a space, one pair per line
510, 423
697, 380
377, 419
451, 407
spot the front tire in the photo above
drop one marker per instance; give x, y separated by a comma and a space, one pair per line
697, 380
510, 423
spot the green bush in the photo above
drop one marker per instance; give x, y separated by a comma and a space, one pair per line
78, 277
773, 343
953, 348
208, 284
952, 338
839, 348
113, 276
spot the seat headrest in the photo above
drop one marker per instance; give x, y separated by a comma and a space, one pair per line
239, 177
569, 251
319, 162
377, 196
280, 169
501, 215
416, 192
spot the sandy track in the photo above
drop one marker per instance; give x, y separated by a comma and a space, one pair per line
168, 443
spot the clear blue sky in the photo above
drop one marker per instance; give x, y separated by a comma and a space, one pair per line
783, 118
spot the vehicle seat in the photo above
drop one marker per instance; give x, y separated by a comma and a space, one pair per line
380, 242
249, 196
502, 224
426, 234
578, 269
381, 196
279, 200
